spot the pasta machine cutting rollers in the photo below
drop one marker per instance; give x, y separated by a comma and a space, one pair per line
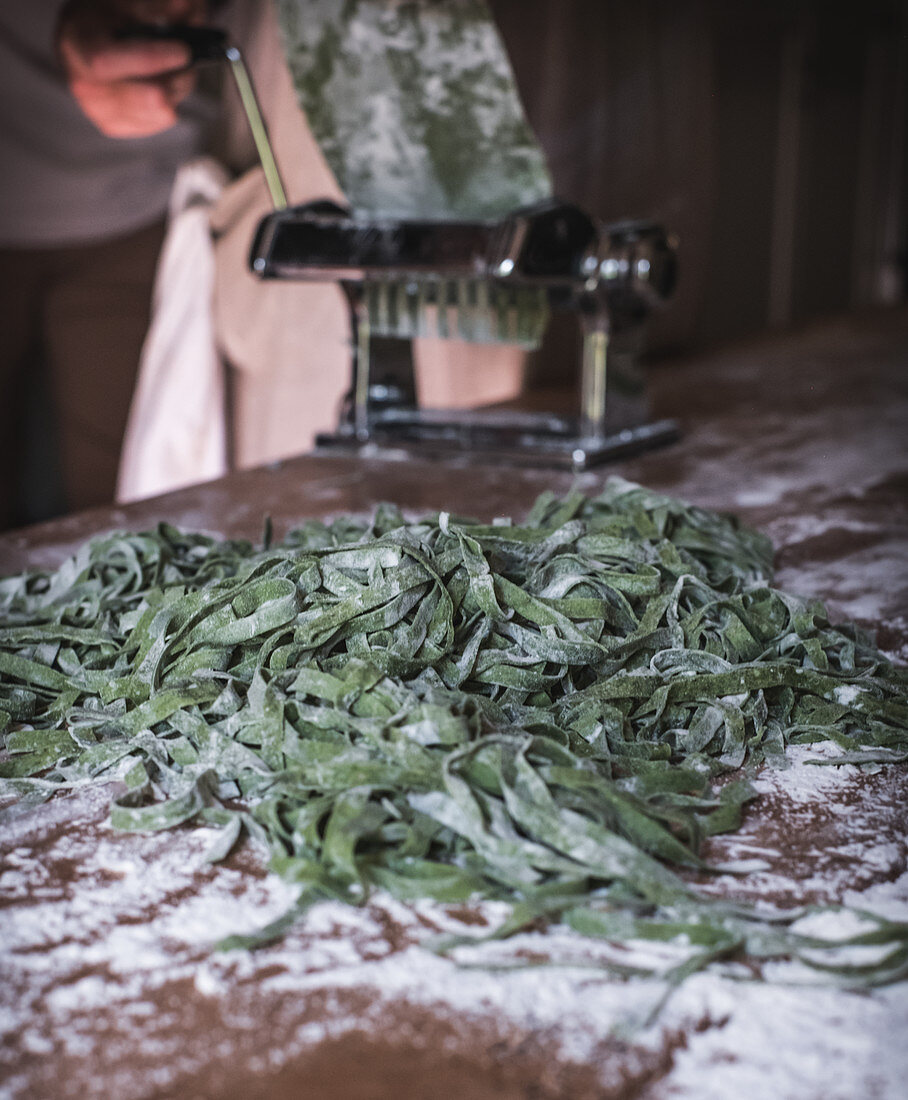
487, 282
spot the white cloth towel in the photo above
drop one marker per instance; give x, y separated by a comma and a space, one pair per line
176, 433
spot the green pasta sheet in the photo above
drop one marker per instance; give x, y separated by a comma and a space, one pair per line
554, 713
414, 105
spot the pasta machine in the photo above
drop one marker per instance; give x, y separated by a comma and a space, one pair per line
487, 282
483, 281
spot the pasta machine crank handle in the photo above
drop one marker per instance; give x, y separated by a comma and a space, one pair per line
213, 44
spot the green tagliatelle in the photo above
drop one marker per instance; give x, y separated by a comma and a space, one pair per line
535, 713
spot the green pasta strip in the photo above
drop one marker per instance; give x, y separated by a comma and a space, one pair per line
533, 712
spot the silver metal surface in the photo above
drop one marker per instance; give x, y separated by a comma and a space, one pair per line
486, 282
509, 438
594, 378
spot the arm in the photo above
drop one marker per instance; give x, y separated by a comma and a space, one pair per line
127, 87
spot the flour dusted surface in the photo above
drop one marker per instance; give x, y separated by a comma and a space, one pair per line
111, 984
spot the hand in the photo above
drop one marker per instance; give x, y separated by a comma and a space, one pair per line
127, 87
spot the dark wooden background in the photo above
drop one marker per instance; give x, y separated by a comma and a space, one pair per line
769, 136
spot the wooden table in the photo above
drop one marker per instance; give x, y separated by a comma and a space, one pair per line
803, 435
110, 987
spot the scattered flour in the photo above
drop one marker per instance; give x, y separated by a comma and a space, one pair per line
118, 928
772, 1041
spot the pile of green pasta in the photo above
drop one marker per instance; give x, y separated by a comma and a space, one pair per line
537, 713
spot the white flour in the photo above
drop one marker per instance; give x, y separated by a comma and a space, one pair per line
141, 912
